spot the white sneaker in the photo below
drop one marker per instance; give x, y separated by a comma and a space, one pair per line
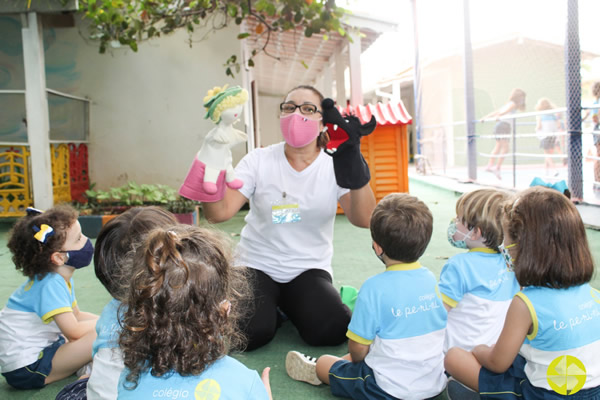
301, 367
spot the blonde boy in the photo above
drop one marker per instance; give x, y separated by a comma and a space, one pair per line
476, 286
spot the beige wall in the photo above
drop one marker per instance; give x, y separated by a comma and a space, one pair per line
147, 119
269, 130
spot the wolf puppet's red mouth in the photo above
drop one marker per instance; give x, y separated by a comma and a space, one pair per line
337, 136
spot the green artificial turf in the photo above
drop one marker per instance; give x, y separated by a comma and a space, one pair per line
353, 263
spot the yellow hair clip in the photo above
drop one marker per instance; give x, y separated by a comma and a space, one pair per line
43, 232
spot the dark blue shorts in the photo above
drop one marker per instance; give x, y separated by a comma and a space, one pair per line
74, 391
513, 384
355, 381
34, 375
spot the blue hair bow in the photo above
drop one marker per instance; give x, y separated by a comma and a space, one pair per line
33, 211
561, 186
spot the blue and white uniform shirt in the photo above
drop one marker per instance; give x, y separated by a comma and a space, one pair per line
107, 328
225, 379
400, 314
566, 322
479, 288
27, 322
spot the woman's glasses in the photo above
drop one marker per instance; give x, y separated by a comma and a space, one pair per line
305, 109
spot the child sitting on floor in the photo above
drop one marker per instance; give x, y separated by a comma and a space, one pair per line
47, 247
114, 246
180, 320
476, 286
550, 342
396, 334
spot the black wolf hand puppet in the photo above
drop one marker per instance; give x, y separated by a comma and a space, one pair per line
345, 132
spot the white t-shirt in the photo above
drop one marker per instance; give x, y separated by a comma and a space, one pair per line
285, 250
108, 359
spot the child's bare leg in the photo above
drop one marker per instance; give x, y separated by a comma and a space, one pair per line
492, 159
463, 366
324, 364
503, 149
71, 356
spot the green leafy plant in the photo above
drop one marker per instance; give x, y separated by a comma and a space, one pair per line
126, 22
117, 199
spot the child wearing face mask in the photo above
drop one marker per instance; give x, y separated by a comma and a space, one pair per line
549, 345
476, 286
396, 334
47, 247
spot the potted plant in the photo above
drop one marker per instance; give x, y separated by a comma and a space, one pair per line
103, 205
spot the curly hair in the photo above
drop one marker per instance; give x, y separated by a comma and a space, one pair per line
31, 256
175, 316
116, 242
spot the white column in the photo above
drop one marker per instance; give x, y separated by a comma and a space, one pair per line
247, 78
327, 81
354, 50
36, 106
340, 82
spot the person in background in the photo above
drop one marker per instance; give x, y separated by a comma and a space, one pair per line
503, 129
546, 128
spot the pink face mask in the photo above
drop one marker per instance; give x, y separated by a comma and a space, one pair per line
298, 131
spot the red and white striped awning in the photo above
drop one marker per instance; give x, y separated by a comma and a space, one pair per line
385, 114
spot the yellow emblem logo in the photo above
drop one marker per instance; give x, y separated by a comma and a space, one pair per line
566, 375
208, 389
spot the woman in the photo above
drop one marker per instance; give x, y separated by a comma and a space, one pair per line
502, 129
287, 240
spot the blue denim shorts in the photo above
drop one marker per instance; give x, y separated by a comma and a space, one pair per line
514, 385
34, 375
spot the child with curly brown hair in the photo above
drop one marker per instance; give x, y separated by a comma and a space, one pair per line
180, 320
47, 247
115, 245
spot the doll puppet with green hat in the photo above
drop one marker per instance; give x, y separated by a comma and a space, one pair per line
211, 169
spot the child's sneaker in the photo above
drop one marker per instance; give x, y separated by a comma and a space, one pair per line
302, 368
457, 391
